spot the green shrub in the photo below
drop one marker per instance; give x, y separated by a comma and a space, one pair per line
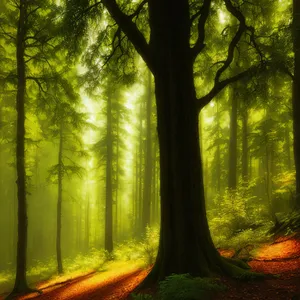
141, 297
145, 250
186, 287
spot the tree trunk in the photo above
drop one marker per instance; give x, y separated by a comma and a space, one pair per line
59, 202
109, 195
21, 285
87, 224
140, 199
287, 144
218, 152
232, 174
148, 160
185, 242
245, 144
296, 97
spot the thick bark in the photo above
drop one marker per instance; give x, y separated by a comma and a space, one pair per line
20, 280
109, 194
148, 161
296, 97
232, 174
185, 242
59, 202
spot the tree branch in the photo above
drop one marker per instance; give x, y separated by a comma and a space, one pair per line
130, 29
139, 9
242, 28
220, 85
204, 13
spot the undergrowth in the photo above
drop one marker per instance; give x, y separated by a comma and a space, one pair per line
184, 287
40, 271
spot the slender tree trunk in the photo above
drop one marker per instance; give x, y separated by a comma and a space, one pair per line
87, 224
20, 279
137, 194
296, 97
109, 194
59, 202
218, 153
154, 185
148, 160
117, 227
245, 144
232, 171
140, 199
288, 146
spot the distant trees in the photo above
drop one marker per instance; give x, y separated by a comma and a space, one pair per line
30, 42
66, 126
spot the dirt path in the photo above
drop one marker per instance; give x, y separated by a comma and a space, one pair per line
281, 258
92, 287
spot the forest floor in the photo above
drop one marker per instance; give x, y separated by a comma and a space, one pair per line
280, 258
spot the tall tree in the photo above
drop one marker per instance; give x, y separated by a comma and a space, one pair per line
232, 170
296, 96
185, 242
65, 127
148, 158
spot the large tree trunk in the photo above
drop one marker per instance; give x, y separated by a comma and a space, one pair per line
185, 242
148, 161
296, 97
20, 280
109, 195
59, 202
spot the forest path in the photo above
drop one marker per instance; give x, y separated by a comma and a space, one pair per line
109, 285
280, 258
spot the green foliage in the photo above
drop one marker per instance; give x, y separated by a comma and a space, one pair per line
141, 297
144, 250
287, 223
40, 270
236, 217
185, 287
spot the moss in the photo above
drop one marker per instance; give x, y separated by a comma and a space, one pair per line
240, 270
184, 286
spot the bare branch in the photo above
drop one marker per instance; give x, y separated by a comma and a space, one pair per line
130, 29
220, 85
139, 9
88, 9
242, 28
203, 13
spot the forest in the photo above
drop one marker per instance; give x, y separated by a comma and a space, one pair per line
150, 149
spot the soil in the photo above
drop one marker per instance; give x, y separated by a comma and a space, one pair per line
282, 259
